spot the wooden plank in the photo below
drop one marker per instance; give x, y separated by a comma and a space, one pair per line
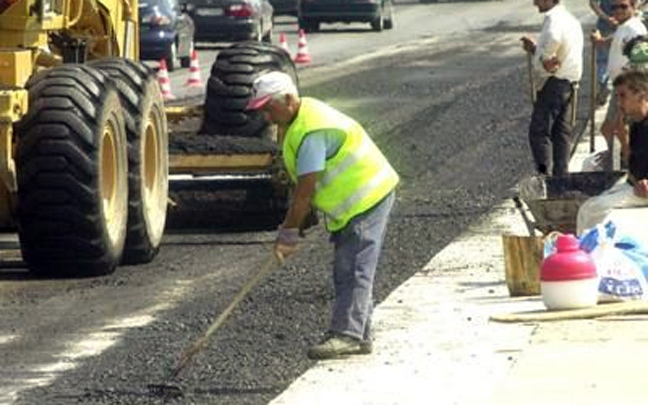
620, 308
178, 113
219, 163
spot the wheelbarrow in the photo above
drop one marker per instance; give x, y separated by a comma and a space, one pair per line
554, 201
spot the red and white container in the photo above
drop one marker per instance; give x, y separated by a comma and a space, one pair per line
568, 277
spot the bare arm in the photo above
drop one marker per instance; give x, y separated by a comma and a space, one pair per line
596, 8
301, 201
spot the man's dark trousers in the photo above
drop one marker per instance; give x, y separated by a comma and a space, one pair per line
550, 130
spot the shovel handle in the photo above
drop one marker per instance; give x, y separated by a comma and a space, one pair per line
532, 86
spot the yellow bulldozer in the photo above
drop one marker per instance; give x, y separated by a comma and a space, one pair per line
85, 155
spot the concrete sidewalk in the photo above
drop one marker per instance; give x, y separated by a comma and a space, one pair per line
435, 343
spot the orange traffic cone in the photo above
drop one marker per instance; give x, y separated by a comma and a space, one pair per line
283, 43
302, 49
194, 71
163, 80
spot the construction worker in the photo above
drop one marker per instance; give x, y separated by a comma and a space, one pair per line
631, 89
338, 170
558, 64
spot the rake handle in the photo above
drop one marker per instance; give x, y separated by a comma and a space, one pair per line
191, 351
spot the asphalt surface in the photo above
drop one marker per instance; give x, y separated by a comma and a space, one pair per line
450, 115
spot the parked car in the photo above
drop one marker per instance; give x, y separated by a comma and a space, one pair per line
285, 7
166, 32
379, 13
232, 20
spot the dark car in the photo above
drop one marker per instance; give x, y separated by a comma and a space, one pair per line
232, 20
285, 7
166, 32
379, 13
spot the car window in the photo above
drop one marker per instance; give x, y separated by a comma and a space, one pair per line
166, 7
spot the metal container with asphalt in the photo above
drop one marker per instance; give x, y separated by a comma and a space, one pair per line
554, 201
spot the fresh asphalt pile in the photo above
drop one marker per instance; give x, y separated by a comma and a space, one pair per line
451, 118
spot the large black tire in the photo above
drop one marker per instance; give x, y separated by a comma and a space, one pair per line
72, 173
148, 156
230, 85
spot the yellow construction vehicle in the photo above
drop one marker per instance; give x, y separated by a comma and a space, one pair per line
84, 148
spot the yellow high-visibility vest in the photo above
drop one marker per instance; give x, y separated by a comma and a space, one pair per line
355, 179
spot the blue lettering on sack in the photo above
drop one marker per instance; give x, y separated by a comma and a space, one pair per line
620, 288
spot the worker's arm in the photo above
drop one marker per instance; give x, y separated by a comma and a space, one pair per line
301, 202
300, 206
596, 8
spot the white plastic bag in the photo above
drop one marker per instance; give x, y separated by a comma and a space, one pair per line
621, 276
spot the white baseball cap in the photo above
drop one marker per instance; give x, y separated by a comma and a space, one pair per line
267, 85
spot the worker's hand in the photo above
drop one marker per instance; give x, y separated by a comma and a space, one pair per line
641, 188
612, 21
286, 243
551, 64
596, 36
528, 44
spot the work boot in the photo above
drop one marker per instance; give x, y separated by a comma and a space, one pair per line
336, 346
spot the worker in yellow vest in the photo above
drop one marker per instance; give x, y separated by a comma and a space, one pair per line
338, 170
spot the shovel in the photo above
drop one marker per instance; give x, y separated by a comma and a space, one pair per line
532, 85
169, 389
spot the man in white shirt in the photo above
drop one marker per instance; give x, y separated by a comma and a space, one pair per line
558, 63
630, 26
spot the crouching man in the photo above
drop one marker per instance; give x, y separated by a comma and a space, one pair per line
631, 89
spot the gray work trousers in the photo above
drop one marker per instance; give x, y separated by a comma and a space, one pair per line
357, 250
550, 131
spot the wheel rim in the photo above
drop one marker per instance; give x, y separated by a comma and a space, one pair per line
110, 182
154, 195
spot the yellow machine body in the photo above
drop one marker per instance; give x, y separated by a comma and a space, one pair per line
38, 34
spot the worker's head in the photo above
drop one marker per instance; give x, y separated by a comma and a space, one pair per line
631, 89
545, 5
623, 10
275, 95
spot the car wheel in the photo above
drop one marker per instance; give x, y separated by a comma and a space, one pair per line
172, 58
389, 21
379, 22
185, 61
309, 25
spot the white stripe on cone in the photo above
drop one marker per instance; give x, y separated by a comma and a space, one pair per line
194, 71
283, 43
302, 49
163, 80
